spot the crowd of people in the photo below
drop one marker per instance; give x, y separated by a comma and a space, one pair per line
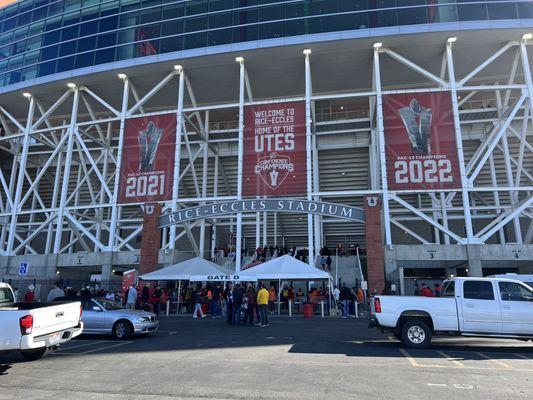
426, 291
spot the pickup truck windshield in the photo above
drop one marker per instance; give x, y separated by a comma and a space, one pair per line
6, 296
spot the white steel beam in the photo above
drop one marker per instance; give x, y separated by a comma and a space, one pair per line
238, 255
415, 67
308, 158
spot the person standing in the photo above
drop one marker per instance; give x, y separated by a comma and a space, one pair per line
198, 305
55, 292
249, 313
215, 298
238, 296
344, 297
229, 303
131, 297
329, 261
262, 302
30, 295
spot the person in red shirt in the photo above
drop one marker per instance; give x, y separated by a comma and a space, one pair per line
30, 295
426, 291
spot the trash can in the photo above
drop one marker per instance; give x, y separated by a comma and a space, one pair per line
308, 310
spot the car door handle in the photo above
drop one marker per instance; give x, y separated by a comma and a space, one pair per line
507, 307
469, 305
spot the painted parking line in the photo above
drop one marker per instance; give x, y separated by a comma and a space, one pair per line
106, 347
495, 361
451, 359
411, 360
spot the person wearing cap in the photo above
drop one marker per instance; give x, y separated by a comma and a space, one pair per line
30, 295
55, 292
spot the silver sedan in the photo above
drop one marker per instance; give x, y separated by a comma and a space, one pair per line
101, 316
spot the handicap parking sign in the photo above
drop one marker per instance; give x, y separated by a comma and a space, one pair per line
23, 269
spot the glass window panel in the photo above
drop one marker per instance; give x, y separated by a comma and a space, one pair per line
245, 3
34, 43
31, 57
150, 15
220, 20
36, 28
411, 16
147, 48
218, 5
173, 11
65, 64
71, 18
15, 62
6, 38
53, 23
171, 28
472, 12
107, 40
171, 44
150, 3
386, 18
129, 19
270, 13
86, 44
47, 53
478, 290
19, 47
84, 60
89, 14
126, 36
9, 24
14, 77
125, 52
51, 38
126, 5
245, 17
195, 24
271, 30
38, 14
72, 4
149, 32
88, 28
219, 37
104, 56
322, 24
296, 27
195, 40
296, 10
3, 66
67, 48
195, 7
109, 23
245, 33
323, 7
5, 52
109, 8
443, 14
502, 11
70, 33
525, 10
55, 8
510, 291
47, 68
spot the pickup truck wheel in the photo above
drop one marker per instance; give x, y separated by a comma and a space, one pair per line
122, 329
416, 334
32, 355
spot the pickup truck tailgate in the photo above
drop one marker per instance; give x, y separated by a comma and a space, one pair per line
55, 318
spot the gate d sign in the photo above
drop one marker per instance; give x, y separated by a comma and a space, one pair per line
23, 269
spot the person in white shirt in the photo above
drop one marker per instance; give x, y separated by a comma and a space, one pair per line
55, 292
110, 296
336, 294
132, 297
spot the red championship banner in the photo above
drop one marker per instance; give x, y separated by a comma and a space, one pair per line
420, 141
148, 159
274, 150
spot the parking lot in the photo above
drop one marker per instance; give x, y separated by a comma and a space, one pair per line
291, 359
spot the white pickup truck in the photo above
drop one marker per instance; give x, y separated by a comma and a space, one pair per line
33, 328
488, 307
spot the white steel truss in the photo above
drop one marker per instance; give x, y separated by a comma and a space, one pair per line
60, 192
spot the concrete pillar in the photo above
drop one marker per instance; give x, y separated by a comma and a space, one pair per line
474, 260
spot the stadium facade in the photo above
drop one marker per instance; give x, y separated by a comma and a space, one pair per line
403, 126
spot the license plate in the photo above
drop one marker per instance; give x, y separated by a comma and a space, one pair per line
54, 338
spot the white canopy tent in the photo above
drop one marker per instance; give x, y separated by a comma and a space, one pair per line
285, 268
184, 270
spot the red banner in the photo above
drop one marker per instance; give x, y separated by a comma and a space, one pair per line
274, 150
420, 141
148, 159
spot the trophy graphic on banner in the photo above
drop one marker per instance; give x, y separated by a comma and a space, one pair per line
417, 121
148, 143
274, 178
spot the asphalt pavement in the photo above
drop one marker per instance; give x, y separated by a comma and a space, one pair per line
291, 359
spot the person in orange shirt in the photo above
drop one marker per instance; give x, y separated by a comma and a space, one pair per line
272, 297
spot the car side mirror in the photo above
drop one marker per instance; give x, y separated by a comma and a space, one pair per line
96, 308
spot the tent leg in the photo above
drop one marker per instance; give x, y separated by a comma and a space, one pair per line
279, 297
179, 298
290, 308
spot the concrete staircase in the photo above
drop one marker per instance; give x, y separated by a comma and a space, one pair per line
347, 268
